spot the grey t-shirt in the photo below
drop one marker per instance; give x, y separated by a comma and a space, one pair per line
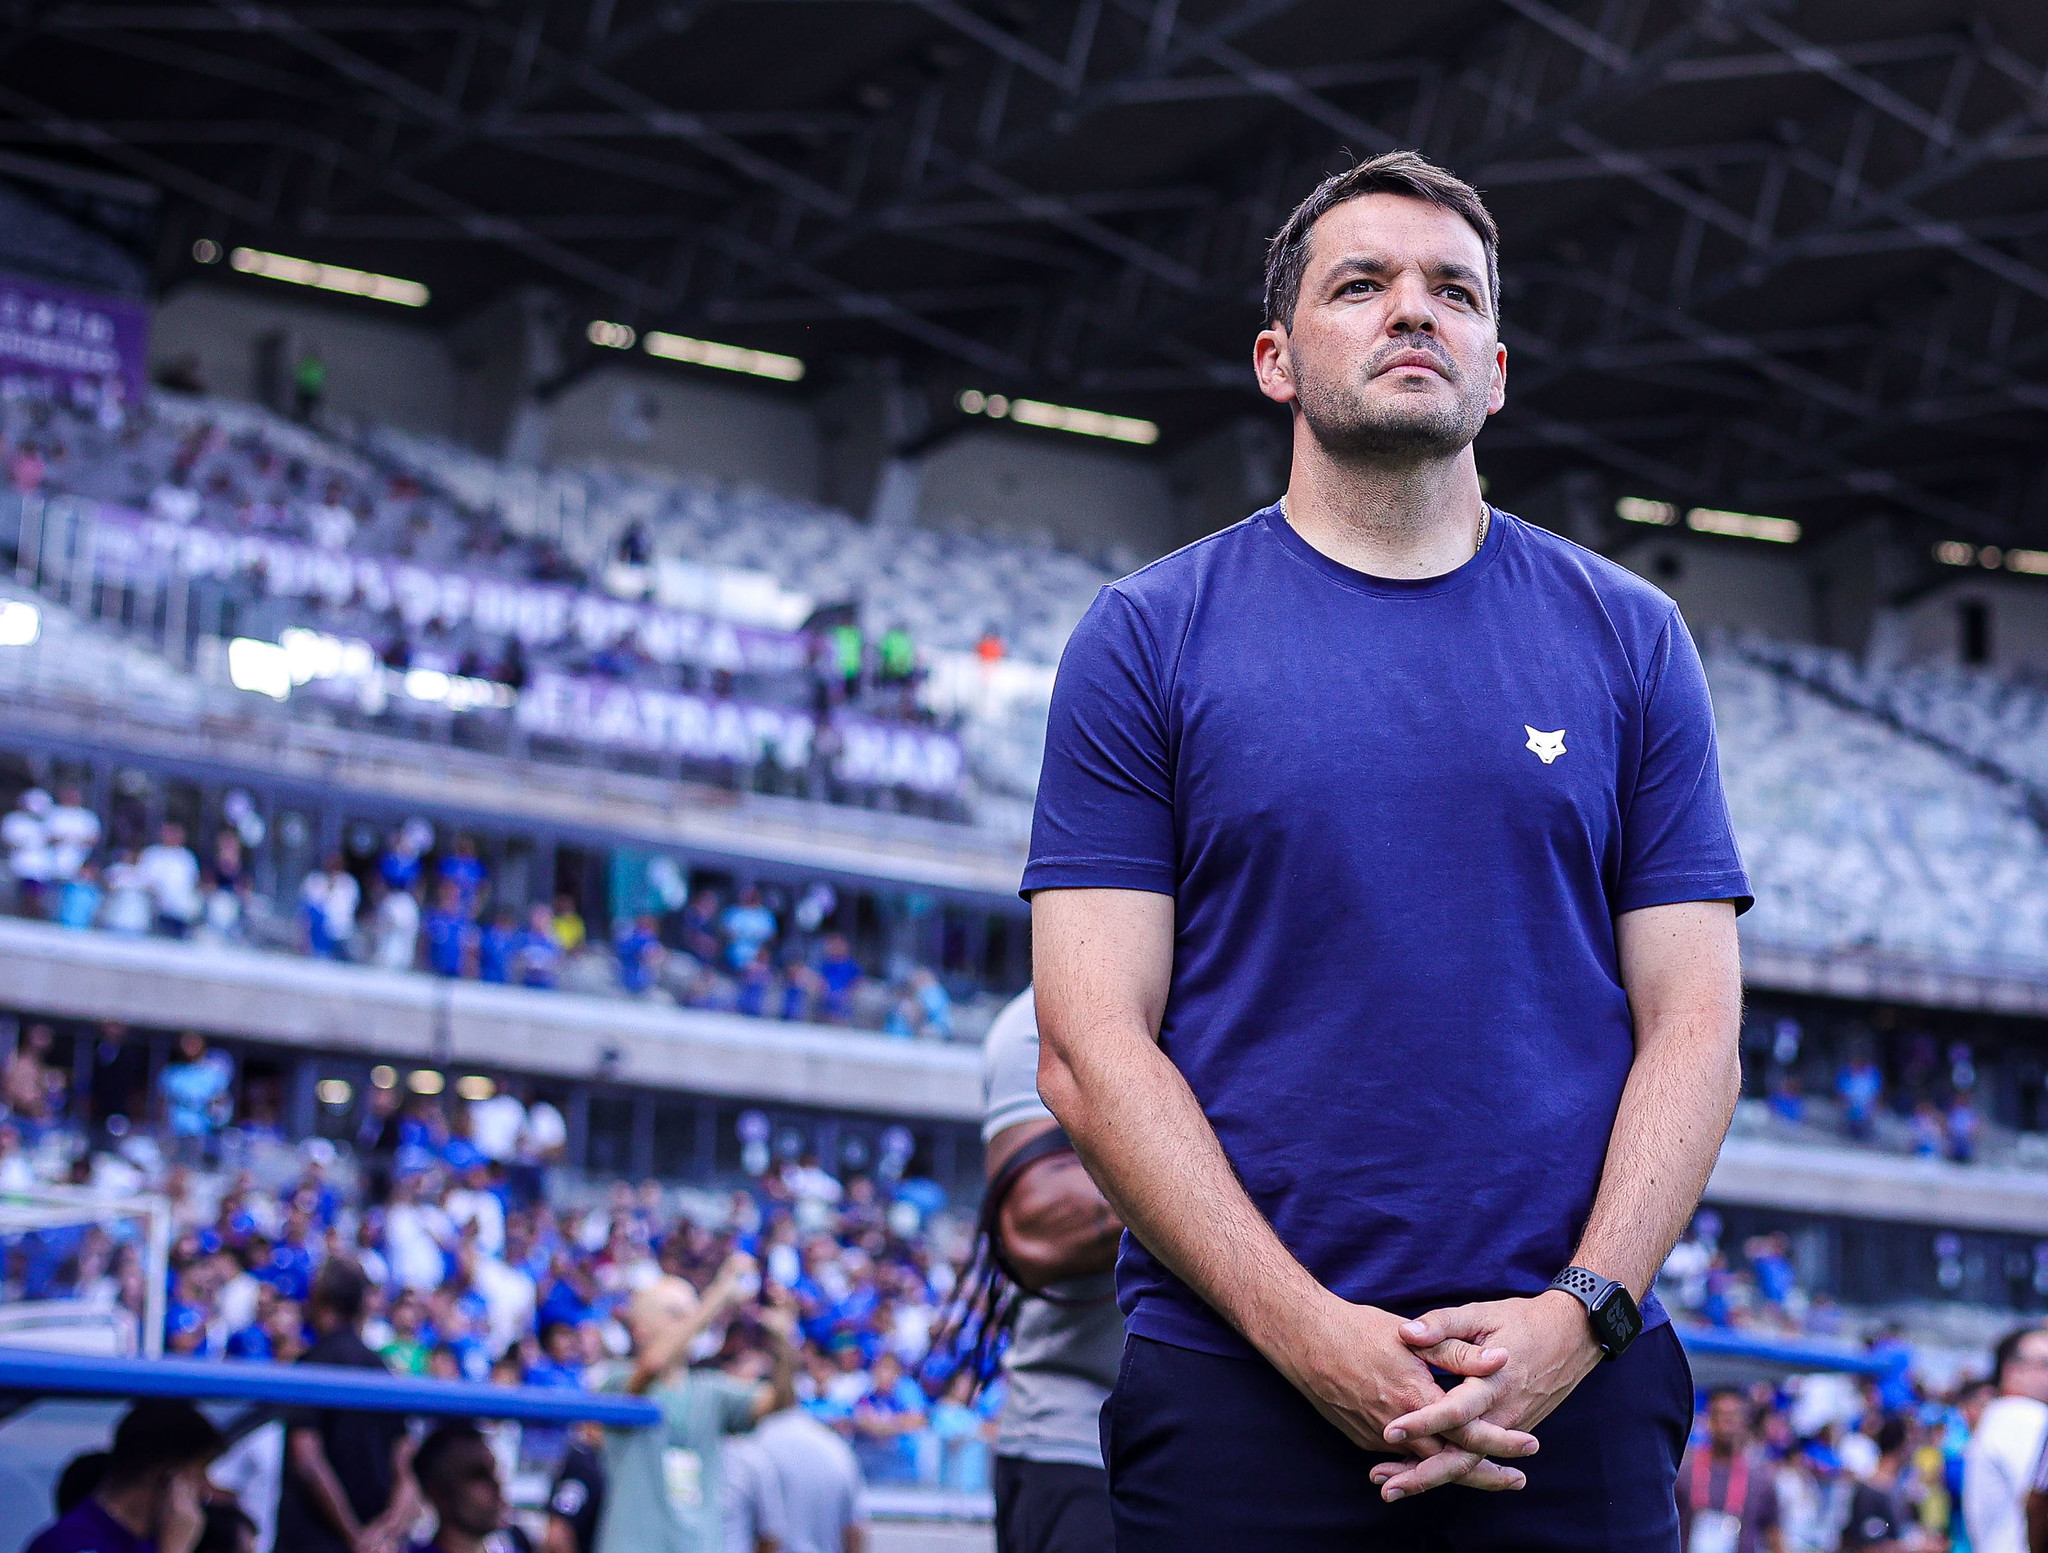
753, 1497
820, 1482
1063, 1357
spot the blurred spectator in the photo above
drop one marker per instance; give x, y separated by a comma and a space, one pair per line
80, 900
450, 934
1880, 1520
576, 1498
465, 870
569, 929
839, 975
25, 833
458, 1476
496, 945
148, 1498
1963, 1126
130, 907
1727, 1492
195, 1090
330, 897
824, 1502
397, 929
1860, 1086
638, 944
537, 954
171, 874
74, 834
1999, 1466
748, 926
346, 1485
25, 1086
309, 386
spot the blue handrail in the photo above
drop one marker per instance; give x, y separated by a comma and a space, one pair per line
1798, 1354
27, 1370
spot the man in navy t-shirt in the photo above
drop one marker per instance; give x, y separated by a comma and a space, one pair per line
1384, 903
151, 1493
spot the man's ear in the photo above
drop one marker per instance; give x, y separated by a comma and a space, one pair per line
1273, 363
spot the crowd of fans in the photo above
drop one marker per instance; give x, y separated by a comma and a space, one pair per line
412, 908
476, 1270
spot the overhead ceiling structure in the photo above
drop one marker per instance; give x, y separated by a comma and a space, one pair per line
1779, 256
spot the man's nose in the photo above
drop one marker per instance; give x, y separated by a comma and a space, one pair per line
1408, 307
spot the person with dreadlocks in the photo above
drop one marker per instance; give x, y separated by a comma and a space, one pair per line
1049, 1242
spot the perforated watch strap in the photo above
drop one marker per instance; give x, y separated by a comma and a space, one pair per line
1581, 1285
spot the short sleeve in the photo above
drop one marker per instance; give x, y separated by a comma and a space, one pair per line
1677, 841
1009, 1069
735, 1402
1105, 794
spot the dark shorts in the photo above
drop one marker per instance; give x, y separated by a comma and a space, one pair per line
1052, 1507
1210, 1453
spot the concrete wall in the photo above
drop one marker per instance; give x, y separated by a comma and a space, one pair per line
676, 419
1088, 497
1929, 629
381, 369
1727, 584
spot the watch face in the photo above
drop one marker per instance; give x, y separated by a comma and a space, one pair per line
1616, 1320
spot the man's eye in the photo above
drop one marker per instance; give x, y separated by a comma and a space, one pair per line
1458, 292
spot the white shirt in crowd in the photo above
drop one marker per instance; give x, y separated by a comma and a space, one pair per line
333, 526
414, 1234
74, 837
335, 896
495, 1125
546, 1134
171, 875
485, 1211
509, 1296
129, 908
753, 1497
398, 930
1998, 1469
822, 1491
25, 833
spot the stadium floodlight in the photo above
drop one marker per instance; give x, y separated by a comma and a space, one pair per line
727, 358
1743, 525
329, 277
2033, 562
20, 623
384, 1076
475, 1086
1640, 509
336, 1092
611, 336
263, 667
1955, 552
1059, 417
425, 1081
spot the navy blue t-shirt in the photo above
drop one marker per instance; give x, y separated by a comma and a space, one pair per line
1398, 819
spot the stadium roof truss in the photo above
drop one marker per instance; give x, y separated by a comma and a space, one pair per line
1782, 255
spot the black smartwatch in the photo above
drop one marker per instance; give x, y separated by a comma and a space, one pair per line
1609, 1307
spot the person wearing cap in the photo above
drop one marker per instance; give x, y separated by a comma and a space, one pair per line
151, 1487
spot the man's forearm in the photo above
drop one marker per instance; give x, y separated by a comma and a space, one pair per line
1147, 1145
1680, 1094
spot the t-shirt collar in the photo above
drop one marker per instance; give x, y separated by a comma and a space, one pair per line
1274, 518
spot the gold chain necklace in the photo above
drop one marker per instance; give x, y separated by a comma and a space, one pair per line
1478, 542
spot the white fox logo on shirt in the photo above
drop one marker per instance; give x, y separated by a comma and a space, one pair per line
1548, 746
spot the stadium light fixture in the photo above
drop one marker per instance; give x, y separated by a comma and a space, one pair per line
329, 277
384, 1076
727, 358
474, 1086
1954, 552
336, 1092
1059, 417
611, 336
262, 667
425, 1081
2033, 562
1743, 525
1639, 509
20, 623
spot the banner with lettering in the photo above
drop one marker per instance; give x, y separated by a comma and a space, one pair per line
96, 348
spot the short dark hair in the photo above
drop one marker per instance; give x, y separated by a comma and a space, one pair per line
1891, 1435
430, 1461
1393, 172
81, 1475
156, 1433
2007, 1351
341, 1288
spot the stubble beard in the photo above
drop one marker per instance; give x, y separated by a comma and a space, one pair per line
1406, 431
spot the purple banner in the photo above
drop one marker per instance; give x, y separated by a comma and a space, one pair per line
95, 348
674, 722
540, 614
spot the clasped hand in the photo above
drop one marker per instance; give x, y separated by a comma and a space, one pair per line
1515, 1359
